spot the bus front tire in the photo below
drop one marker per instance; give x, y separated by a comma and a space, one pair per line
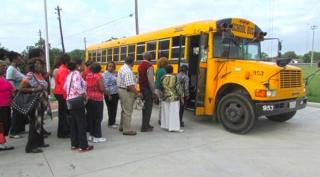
236, 113
282, 117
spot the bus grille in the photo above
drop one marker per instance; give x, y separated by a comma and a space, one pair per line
290, 79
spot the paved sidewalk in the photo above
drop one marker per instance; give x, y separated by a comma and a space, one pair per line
205, 149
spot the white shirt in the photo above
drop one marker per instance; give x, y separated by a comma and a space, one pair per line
125, 77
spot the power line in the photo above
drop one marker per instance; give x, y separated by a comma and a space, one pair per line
99, 26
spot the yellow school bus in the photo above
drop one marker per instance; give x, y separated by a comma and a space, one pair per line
229, 79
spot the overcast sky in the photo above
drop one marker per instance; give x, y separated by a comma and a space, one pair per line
20, 20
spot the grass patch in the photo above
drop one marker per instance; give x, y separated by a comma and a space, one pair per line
313, 88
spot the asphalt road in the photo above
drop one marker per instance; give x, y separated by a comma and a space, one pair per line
289, 149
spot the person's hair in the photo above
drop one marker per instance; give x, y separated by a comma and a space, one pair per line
65, 59
32, 63
113, 63
12, 55
95, 68
169, 69
57, 62
162, 62
36, 52
147, 56
72, 65
184, 68
129, 60
89, 62
3, 54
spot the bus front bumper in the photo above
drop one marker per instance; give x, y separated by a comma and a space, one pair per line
279, 107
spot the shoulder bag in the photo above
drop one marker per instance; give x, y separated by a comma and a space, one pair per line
25, 102
75, 103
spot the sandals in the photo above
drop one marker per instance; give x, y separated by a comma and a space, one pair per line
88, 148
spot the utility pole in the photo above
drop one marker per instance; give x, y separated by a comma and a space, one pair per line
136, 16
58, 9
85, 47
40, 39
313, 28
40, 34
47, 36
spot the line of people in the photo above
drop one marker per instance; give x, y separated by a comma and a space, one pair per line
170, 91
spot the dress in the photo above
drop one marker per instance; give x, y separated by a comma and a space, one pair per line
170, 105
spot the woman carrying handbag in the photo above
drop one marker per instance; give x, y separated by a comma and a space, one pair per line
75, 88
34, 82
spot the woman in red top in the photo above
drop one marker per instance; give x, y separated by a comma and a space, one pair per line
60, 94
95, 92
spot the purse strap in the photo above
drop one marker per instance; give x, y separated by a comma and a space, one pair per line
35, 78
70, 83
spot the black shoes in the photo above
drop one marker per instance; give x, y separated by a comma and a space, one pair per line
149, 129
35, 150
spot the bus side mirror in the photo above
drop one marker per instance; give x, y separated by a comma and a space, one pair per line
279, 48
283, 62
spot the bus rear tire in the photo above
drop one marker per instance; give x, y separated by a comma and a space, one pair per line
236, 113
282, 117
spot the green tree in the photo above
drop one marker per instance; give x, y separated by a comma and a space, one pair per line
290, 54
264, 55
77, 53
307, 57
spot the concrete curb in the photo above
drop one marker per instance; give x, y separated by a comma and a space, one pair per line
313, 104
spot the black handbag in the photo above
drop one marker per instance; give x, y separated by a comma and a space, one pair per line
75, 103
25, 102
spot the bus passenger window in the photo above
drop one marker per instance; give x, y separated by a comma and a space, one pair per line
94, 56
175, 49
104, 55
219, 49
98, 56
115, 54
140, 50
89, 55
163, 48
131, 51
151, 48
123, 53
109, 55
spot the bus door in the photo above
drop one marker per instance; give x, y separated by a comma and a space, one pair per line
196, 57
202, 72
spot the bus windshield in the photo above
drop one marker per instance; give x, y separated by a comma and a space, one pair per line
237, 48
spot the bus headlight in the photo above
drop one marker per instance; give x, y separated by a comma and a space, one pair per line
271, 93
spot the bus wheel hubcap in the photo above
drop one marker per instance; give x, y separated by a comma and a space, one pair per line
234, 113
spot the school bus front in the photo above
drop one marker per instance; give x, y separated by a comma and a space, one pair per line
238, 86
